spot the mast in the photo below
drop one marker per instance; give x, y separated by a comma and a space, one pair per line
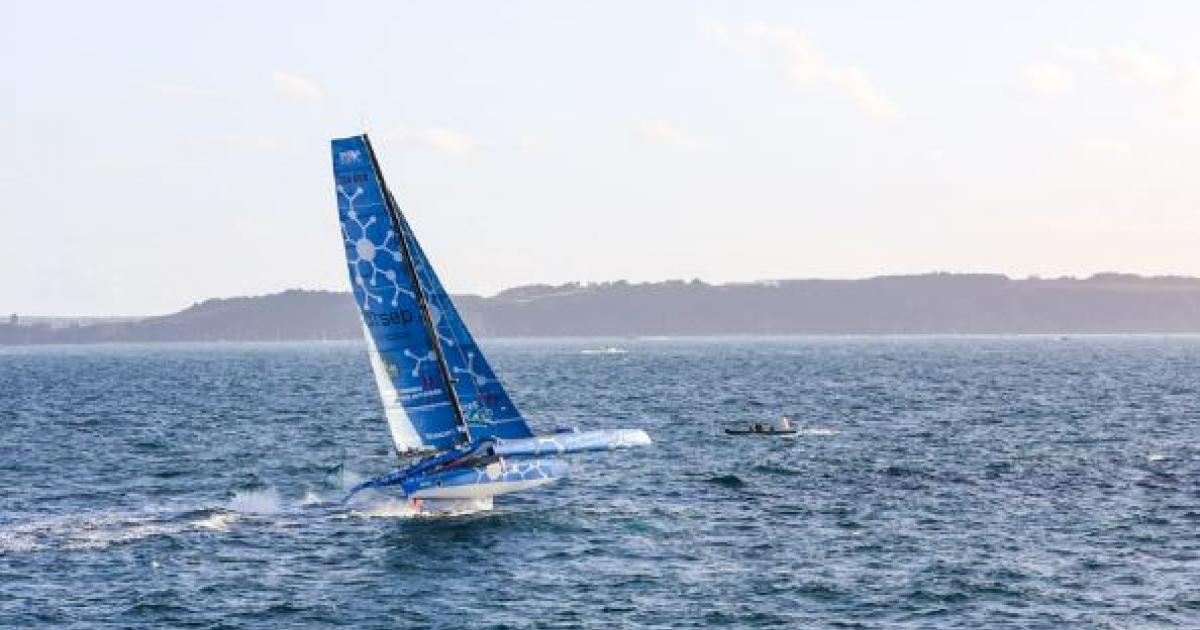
423, 305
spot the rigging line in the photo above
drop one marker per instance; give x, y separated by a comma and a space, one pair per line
397, 218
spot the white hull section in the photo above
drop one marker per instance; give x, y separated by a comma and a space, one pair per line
479, 490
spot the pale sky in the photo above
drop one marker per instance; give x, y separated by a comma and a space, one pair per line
159, 154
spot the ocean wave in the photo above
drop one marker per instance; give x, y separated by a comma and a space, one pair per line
98, 531
726, 481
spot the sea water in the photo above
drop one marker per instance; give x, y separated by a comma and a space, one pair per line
1025, 482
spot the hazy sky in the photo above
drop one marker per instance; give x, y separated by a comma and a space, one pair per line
159, 154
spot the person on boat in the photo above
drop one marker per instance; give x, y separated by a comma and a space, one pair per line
784, 424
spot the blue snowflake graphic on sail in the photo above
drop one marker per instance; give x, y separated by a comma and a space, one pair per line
372, 262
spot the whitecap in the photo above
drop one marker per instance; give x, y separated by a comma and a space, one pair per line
17, 542
217, 522
101, 530
262, 501
123, 530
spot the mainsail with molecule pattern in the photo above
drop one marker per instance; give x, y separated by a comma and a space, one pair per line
437, 388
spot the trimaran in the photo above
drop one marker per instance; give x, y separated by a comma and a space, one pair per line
452, 423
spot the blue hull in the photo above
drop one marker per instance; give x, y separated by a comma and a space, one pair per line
499, 477
499, 466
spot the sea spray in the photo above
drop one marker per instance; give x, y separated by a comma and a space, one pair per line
388, 508
259, 501
216, 522
312, 497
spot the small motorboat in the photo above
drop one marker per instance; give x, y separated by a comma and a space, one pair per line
783, 426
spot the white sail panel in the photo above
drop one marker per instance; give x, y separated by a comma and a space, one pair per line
404, 435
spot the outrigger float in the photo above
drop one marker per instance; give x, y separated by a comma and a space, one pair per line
450, 417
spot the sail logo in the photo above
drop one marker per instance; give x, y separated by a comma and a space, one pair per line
478, 415
402, 317
353, 156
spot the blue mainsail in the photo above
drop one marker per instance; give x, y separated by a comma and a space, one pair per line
414, 393
410, 371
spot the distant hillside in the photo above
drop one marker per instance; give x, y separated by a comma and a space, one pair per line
291, 315
933, 303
